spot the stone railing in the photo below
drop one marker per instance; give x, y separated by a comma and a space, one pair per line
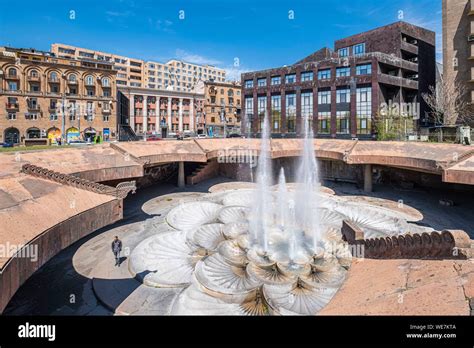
449, 244
121, 191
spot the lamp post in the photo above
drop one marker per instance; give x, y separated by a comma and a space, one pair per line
63, 120
223, 119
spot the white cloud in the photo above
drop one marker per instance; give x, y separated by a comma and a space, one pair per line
196, 58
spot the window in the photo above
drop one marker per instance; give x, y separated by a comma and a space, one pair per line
34, 73
105, 82
34, 87
262, 82
307, 76
53, 117
89, 80
12, 86
105, 117
11, 116
276, 80
72, 78
307, 107
106, 93
53, 76
343, 52
248, 83
248, 111
324, 74
342, 122
343, 72
343, 95
12, 72
291, 112
324, 119
365, 69
290, 78
364, 110
276, 113
324, 97
261, 110
359, 49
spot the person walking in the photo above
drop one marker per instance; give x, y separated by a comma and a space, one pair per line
116, 249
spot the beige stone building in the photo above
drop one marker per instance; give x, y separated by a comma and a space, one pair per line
181, 76
174, 74
46, 97
130, 71
458, 43
222, 108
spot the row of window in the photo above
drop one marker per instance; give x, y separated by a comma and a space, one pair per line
363, 111
357, 50
54, 77
12, 116
324, 74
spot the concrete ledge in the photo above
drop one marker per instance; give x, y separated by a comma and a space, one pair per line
449, 244
17, 270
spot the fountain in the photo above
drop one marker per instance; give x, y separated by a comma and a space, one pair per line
262, 251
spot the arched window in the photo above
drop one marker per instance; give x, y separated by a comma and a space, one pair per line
222, 91
12, 72
34, 73
105, 82
89, 80
53, 76
72, 78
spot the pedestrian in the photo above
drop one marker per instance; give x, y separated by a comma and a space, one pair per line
116, 249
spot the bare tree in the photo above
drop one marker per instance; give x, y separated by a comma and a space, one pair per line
448, 103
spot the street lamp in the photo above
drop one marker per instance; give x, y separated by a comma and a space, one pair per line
223, 119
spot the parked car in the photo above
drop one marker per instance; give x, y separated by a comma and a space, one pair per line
7, 144
179, 136
79, 143
153, 137
202, 136
234, 135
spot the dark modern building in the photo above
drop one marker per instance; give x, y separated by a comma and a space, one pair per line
342, 91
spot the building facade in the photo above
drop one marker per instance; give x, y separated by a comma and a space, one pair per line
342, 92
164, 113
458, 44
181, 76
130, 71
46, 97
222, 108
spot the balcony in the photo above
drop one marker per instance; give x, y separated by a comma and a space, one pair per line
34, 93
72, 82
106, 111
397, 81
33, 78
52, 108
409, 47
53, 94
12, 106
33, 107
12, 77
53, 80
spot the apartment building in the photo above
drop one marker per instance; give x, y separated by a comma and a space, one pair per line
222, 108
342, 91
458, 44
130, 71
174, 74
181, 76
43, 96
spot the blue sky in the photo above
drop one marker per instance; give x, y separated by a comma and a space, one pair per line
256, 34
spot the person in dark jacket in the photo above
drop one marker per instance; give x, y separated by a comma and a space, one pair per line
116, 249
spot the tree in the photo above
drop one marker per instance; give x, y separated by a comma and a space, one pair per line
448, 103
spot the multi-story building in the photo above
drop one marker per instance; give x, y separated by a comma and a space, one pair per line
182, 76
43, 96
222, 108
176, 74
162, 112
130, 71
458, 44
342, 92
